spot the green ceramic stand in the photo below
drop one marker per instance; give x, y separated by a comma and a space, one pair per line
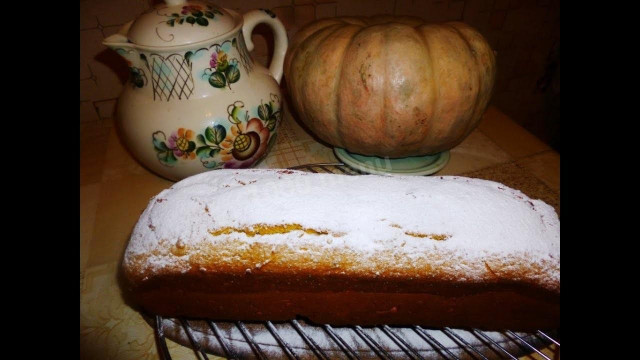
413, 165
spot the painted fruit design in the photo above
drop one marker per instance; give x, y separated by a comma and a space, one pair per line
241, 145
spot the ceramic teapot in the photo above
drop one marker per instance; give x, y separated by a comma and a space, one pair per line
195, 100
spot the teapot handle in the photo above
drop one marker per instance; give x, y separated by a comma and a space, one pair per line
255, 17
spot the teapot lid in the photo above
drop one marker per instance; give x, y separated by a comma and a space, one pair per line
180, 22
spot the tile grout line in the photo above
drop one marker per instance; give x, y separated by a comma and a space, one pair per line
549, 148
90, 73
91, 28
92, 76
464, 7
95, 105
494, 142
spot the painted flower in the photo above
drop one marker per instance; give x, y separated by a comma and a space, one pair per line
222, 57
182, 145
245, 144
138, 79
218, 58
191, 8
214, 60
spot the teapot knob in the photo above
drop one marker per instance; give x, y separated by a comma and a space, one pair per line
174, 2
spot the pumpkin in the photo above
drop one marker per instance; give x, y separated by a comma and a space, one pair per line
389, 86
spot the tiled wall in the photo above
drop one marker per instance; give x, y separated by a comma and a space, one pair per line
525, 34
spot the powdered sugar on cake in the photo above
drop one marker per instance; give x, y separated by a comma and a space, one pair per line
471, 219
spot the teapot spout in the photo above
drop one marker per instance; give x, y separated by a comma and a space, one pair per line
120, 44
119, 39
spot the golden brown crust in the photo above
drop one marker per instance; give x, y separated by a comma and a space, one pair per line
266, 282
237, 258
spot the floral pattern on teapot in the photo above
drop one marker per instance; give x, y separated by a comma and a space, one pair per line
193, 14
193, 101
172, 75
137, 76
241, 145
223, 71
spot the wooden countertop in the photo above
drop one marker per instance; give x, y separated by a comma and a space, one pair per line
115, 189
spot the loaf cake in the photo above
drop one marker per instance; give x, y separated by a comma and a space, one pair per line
275, 245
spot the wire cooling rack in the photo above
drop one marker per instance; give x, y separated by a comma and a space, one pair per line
297, 339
